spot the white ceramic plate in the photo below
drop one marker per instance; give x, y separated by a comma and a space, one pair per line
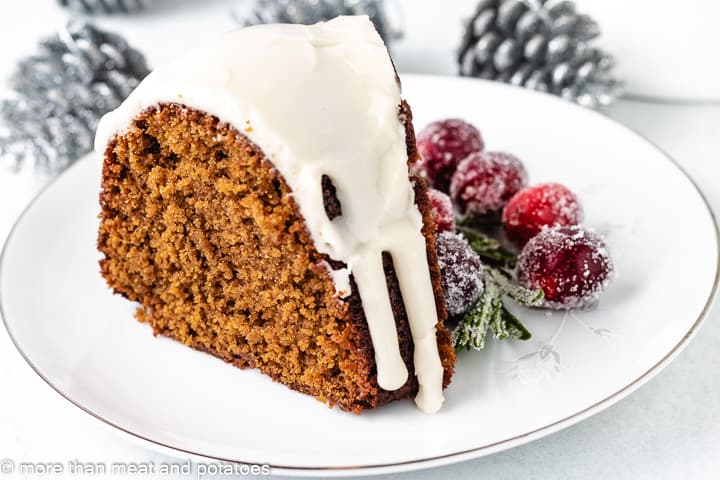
84, 342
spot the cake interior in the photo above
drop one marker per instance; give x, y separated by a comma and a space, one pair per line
199, 228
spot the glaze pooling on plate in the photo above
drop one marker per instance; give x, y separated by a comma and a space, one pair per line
323, 100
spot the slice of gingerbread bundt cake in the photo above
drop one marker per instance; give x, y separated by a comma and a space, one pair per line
256, 202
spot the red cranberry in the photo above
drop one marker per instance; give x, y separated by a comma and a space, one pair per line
485, 181
442, 145
442, 211
570, 264
461, 271
533, 208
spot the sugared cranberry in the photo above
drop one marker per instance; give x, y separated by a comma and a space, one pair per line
570, 264
442, 211
533, 208
461, 271
485, 181
442, 145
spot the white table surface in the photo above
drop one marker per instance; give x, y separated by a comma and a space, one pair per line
669, 429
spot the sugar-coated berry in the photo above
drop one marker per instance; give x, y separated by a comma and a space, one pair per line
570, 264
485, 181
533, 208
442, 145
461, 271
442, 211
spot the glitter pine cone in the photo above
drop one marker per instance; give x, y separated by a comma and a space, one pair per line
544, 45
306, 12
60, 92
104, 6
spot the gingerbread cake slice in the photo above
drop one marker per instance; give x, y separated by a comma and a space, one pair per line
256, 203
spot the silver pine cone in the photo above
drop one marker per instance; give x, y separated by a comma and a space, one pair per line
544, 45
307, 12
104, 6
59, 94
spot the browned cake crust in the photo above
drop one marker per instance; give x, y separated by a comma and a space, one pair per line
199, 228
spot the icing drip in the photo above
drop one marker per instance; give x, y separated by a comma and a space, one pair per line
323, 100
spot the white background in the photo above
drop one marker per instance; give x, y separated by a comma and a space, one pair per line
669, 429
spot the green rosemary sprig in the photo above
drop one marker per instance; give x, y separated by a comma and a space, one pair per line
522, 295
489, 311
470, 333
516, 328
479, 221
491, 252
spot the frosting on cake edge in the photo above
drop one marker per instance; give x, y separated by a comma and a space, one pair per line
323, 100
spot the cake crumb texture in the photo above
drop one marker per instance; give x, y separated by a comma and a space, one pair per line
201, 230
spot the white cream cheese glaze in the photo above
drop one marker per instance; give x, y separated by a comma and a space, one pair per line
323, 100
